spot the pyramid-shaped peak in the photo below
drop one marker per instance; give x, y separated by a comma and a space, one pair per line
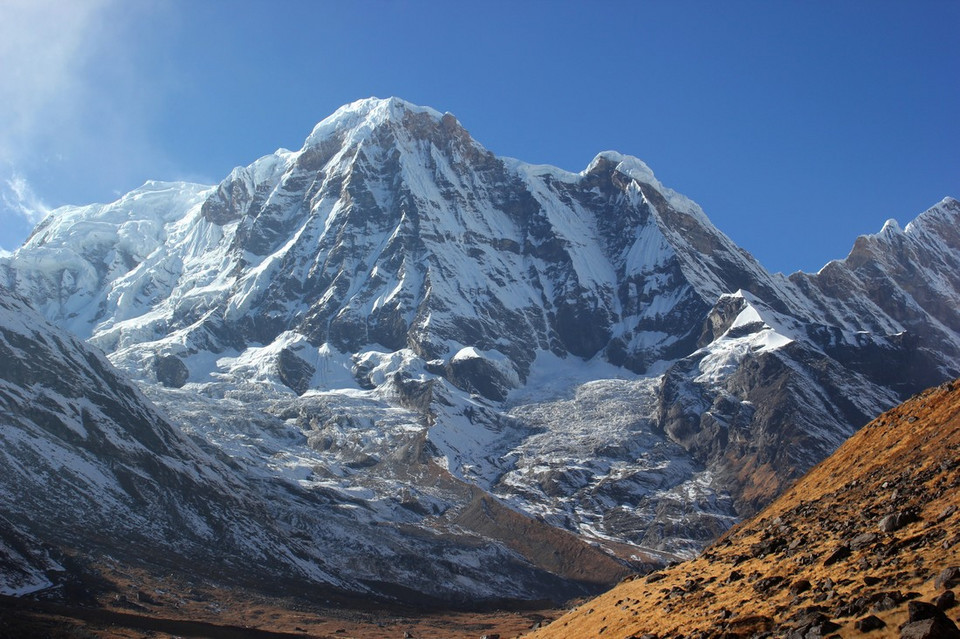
383, 109
362, 116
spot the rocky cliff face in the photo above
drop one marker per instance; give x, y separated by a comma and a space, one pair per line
391, 304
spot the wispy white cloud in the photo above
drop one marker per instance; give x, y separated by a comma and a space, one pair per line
18, 198
76, 101
20, 211
44, 47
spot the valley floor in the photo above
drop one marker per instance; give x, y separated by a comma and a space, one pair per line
136, 605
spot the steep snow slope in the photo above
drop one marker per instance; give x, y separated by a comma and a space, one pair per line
394, 320
901, 283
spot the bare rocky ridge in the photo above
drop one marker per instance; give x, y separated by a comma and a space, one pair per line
866, 542
391, 325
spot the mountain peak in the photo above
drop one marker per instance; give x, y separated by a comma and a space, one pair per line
626, 164
367, 114
394, 293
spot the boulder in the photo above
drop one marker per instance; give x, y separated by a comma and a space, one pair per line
839, 554
930, 629
945, 600
926, 621
948, 578
871, 622
896, 521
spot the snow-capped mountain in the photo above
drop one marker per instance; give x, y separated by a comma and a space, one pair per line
501, 354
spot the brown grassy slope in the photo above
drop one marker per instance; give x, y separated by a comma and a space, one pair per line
818, 552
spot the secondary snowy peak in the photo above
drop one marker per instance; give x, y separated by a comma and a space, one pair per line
78, 255
638, 170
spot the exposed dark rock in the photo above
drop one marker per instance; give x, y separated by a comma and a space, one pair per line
939, 628
799, 586
927, 621
171, 371
230, 202
765, 584
896, 521
887, 601
946, 513
948, 578
735, 575
862, 541
812, 623
945, 600
919, 610
839, 554
479, 374
869, 623
768, 546
294, 371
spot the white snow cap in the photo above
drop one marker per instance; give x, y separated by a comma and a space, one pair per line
628, 165
890, 226
366, 114
944, 211
638, 170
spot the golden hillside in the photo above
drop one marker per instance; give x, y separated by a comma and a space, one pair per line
870, 538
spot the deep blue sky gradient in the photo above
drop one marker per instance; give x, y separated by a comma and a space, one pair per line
796, 125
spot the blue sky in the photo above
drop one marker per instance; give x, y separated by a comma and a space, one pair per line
796, 125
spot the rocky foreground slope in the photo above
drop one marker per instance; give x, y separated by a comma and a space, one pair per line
867, 542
